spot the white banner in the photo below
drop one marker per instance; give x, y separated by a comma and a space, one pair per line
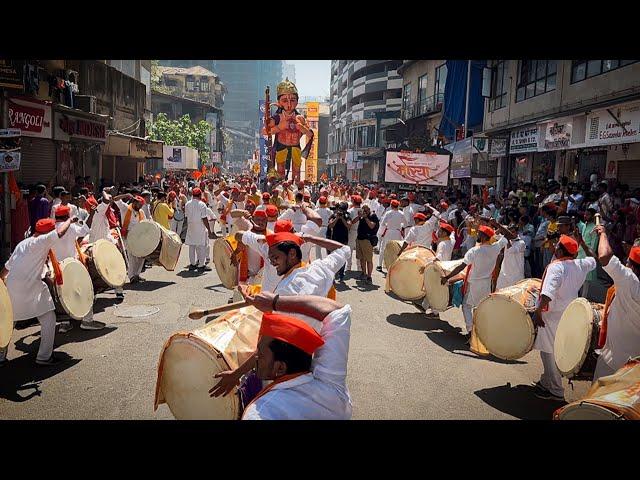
524, 140
557, 135
498, 147
174, 157
604, 129
417, 168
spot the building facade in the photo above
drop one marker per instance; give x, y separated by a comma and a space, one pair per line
365, 96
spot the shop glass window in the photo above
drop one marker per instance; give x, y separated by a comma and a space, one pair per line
441, 80
535, 77
406, 96
498, 98
422, 89
583, 69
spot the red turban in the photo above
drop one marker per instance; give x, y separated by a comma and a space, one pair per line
266, 196
357, 199
634, 255
196, 192
395, 203
447, 227
292, 331
488, 231
279, 237
45, 225
272, 211
444, 204
172, 195
569, 244
420, 216
92, 201
283, 226
322, 200
260, 213
63, 211
138, 198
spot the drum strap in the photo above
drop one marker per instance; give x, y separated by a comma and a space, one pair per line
81, 256
284, 378
127, 220
611, 293
56, 267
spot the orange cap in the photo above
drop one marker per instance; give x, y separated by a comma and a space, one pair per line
292, 331
279, 237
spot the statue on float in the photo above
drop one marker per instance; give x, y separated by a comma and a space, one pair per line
289, 127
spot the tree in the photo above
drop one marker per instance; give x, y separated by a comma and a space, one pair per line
182, 132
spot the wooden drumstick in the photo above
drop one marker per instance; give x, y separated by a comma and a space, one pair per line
597, 217
198, 314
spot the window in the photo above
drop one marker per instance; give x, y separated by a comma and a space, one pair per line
204, 84
406, 96
535, 77
441, 80
422, 89
498, 98
583, 69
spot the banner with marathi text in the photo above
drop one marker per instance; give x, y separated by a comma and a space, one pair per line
311, 164
264, 152
417, 168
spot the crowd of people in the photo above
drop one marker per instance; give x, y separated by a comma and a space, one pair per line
579, 238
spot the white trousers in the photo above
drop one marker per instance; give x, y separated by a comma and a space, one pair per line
47, 336
467, 311
352, 257
381, 244
135, 266
551, 378
198, 253
321, 252
177, 226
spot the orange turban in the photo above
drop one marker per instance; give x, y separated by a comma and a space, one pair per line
634, 255
275, 238
292, 331
569, 244
283, 226
45, 225
271, 210
63, 211
488, 231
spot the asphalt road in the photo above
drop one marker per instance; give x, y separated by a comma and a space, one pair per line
402, 364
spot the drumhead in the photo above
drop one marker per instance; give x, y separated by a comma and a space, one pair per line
405, 278
391, 251
436, 293
573, 337
171, 246
6, 316
143, 238
587, 411
227, 272
76, 292
504, 327
109, 263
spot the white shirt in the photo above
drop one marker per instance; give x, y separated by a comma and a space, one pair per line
100, 225
355, 220
321, 394
297, 217
270, 277
30, 296
561, 284
623, 322
391, 225
65, 247
512, 269
482, 259
309, 228
73, 209
422, 234
146, 209
444, 250
123, 207
324, 213
381, 210
195, 210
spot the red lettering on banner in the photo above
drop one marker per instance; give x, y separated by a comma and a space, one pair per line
83, 128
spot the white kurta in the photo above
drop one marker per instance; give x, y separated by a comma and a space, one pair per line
623, 322
309, 228
422, 234
73, 210
391, 225
482, 259
561, 284
65, 247
512, 269
297, 217
321, 394
195, 210
100, 225
444, 250
30, 296
270, 277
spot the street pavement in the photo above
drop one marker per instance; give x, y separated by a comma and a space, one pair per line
402, 364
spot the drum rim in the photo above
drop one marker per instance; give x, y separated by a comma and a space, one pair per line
217, 261
98, 244
207, 350
387, 244
6, 316
88, 282
570, 373
587, 405
525, 315
139, 253
437, 263
422, 286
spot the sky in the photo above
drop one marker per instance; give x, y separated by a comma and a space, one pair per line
312, 77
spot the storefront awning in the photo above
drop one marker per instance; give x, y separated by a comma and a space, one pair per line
139, 148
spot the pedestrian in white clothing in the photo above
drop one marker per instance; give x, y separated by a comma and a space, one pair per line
512, 269
30, 297
324, 213
131, 215
391, 226
561, 282
198, 232
620, 329
354, 214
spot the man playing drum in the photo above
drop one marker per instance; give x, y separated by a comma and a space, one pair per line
30, 296
308, 368
561, 282
131, 215
444, 250
481, 260
512, 269
620, 330
391, 226
421, 233
198, 232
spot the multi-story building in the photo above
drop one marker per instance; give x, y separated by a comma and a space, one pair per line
550, 119
195, 83
289, 71
365, 96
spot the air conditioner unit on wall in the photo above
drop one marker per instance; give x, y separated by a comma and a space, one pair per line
85, 103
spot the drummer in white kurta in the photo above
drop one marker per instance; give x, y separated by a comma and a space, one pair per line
391, 227
324, 213
295, 213
561, 282
131, 215
354, 214
622, 317
482, 261
422, 232
444, 249
30, 296
512, 269
198, 232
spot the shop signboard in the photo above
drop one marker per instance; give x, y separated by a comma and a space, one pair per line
141, 148
498, 147
216, 157
461, 160
417, 168
524, 139
12, 74
10, 154
31, 117
557, 135
615, 125
69, 127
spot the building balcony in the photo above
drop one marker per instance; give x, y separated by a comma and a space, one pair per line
427, 106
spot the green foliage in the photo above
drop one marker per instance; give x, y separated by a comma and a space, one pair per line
182, 132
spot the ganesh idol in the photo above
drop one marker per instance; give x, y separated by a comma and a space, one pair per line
289, 126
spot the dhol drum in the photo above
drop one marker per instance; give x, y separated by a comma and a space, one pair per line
189, 360
160, 246
503, 319
75, 296
222, 250
6, 316
574, 347
438, 295
615, 397
105, 264
391, 252
406, 275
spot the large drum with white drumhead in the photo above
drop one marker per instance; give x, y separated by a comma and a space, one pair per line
75, 296
438, 295
614, 397
406, 275
577, 339
6, 316
227, 271
143, 238
189, 361
105, 264
391, 252
503, 319
167, 252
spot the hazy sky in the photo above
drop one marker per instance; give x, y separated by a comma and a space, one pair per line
312, 77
